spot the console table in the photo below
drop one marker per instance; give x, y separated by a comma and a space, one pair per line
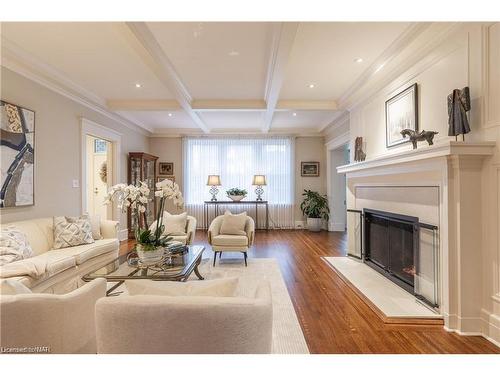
216, 204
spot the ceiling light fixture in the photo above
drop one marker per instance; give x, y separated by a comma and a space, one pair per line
358, 60
170, 115
294, 114
311, 85
234, 53
138, 85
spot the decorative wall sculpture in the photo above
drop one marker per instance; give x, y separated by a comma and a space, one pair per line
17, 151
458, 106
359, 154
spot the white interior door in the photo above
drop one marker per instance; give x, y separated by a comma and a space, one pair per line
99, 175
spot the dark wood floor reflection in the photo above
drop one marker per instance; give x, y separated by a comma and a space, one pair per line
333, 318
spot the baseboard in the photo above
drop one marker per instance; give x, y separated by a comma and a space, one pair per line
123, 234
300, 224
487, 326
336, 227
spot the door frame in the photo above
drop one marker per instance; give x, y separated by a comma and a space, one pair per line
88, 127
336, 143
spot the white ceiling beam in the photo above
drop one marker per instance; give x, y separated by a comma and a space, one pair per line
282, 44
307, 105
143, 105
156, 58
205, 105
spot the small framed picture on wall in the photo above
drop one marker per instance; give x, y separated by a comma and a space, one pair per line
309, 169
166, 168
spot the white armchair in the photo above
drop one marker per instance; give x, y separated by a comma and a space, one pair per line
230, 242
185, 324
62, 323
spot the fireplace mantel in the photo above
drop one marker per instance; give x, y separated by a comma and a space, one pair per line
441, 149
441, 184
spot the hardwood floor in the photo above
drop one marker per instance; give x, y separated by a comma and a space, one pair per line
333, 318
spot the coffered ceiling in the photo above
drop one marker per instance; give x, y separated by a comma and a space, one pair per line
175, 77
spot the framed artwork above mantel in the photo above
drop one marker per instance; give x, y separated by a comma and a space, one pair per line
401, 112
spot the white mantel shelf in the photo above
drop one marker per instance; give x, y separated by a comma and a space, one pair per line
442, 149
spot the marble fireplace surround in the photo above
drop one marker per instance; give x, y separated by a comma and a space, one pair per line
441, 184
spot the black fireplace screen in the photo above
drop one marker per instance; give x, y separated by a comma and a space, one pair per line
391, 245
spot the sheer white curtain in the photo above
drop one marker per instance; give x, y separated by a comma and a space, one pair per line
237, 160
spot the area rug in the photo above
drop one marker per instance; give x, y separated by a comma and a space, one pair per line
393, 301
287, 334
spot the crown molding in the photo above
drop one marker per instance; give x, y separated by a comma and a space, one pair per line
418, 51
156, 58
282, 44
21, 62
340, 118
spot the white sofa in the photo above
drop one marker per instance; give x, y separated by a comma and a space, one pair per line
61, 270
143, 324
61, 323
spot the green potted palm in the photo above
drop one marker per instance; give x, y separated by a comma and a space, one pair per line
315, 208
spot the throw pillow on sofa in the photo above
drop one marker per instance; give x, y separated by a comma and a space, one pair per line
14, 245
234, 224
175, 225
72, 231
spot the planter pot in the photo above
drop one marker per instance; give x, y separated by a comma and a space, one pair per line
149, 256
313, 224
236, 198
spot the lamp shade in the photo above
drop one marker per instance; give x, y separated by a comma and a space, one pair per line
213, 180
259, 180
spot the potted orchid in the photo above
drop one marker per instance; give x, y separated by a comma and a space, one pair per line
151, 241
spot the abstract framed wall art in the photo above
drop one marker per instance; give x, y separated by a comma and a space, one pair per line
17, 152
401, 113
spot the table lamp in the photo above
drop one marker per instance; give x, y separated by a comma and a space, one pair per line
213, 181
259, 181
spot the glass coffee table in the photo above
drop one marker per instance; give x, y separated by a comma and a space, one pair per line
177, 267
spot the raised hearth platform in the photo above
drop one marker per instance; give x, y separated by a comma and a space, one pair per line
392, 303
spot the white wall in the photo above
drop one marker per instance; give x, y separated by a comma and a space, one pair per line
57, 147
470, 56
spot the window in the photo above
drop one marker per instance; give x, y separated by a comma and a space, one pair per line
237, 160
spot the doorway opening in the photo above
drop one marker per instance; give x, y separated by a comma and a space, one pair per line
99, 176
338, 156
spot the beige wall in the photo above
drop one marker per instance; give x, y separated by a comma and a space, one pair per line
169, 150
57, 146
309, 149
306, 149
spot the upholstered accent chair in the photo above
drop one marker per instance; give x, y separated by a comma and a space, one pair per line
187, 237
62, 323
186, 324
230, 242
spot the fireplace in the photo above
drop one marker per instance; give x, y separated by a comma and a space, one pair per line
391, 246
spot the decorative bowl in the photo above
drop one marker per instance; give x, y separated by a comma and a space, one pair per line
236, 198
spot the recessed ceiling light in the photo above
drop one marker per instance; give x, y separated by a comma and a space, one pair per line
170, 115
234, 53
138, 85
311, 85
358, 60
294, 114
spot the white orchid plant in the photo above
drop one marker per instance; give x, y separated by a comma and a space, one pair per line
136, 198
